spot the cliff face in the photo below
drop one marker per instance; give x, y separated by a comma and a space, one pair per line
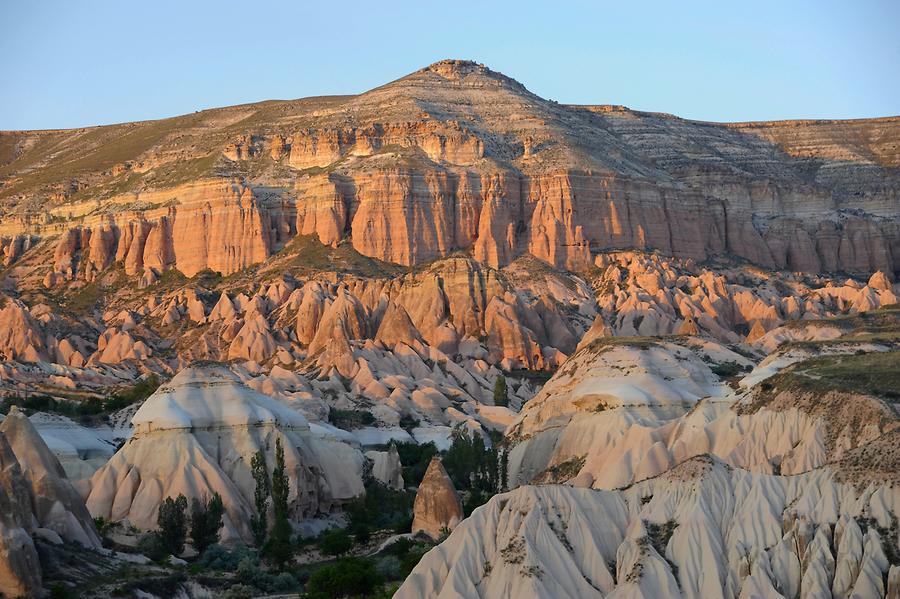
453, 157
221, 226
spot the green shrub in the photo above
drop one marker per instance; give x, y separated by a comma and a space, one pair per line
218, 557
348, 577
152, 545
335, 541
415, 459
350, 419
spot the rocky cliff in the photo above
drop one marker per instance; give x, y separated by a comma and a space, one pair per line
452, 157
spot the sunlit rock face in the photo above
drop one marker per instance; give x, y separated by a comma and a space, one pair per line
457, 157
282, 266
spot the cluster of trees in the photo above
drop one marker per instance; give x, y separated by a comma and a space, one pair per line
175, 526
278, 547
476, 470
206, 517
92, 406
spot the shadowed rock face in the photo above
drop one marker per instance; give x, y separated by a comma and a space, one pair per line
437, 506
35, 498
454, 156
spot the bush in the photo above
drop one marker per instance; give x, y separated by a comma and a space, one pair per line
389, 567
152, 545
250, 572
334, 541
350, 419
60, 591
220, 558
139, 392
348, 577
239, 591
408, 552
381, 507
471, 465
361, 533
728, 369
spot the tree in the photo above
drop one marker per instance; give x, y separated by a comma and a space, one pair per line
279, 546
206, 520
501, 395
348, 577
258, 522
172, 523
470, 464
334, 541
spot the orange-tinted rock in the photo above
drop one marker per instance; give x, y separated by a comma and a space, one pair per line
437, 506
396, 327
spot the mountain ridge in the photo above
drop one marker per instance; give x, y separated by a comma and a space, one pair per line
456, 156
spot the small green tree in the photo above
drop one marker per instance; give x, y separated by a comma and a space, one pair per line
172, 523
258, 522
334, 541
206, 520
501, 394
348, 577
279, 547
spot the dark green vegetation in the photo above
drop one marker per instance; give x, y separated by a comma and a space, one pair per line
279, 547
415, 459
350, 419
258, 523
501, 392
84, 408
172, 523
478, 472
563, 471
206, 520
727, 370
874, 373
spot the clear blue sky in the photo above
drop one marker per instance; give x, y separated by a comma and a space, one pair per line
68, 63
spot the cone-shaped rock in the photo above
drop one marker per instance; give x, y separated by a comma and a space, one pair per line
54, 501
437, 504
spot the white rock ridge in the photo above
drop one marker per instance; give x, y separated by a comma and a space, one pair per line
197, 434
702, 530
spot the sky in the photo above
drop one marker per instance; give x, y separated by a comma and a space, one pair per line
67, 63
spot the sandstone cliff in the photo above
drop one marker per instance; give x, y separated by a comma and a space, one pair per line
458, 157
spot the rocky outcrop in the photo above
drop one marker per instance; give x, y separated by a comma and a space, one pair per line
55, 504
35, 498
386, 467
700, 530
437, 162
196, 436
443, 141
437, 507
20, 569
20, 335
216, 225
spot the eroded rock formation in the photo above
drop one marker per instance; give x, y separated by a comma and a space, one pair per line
437, 507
